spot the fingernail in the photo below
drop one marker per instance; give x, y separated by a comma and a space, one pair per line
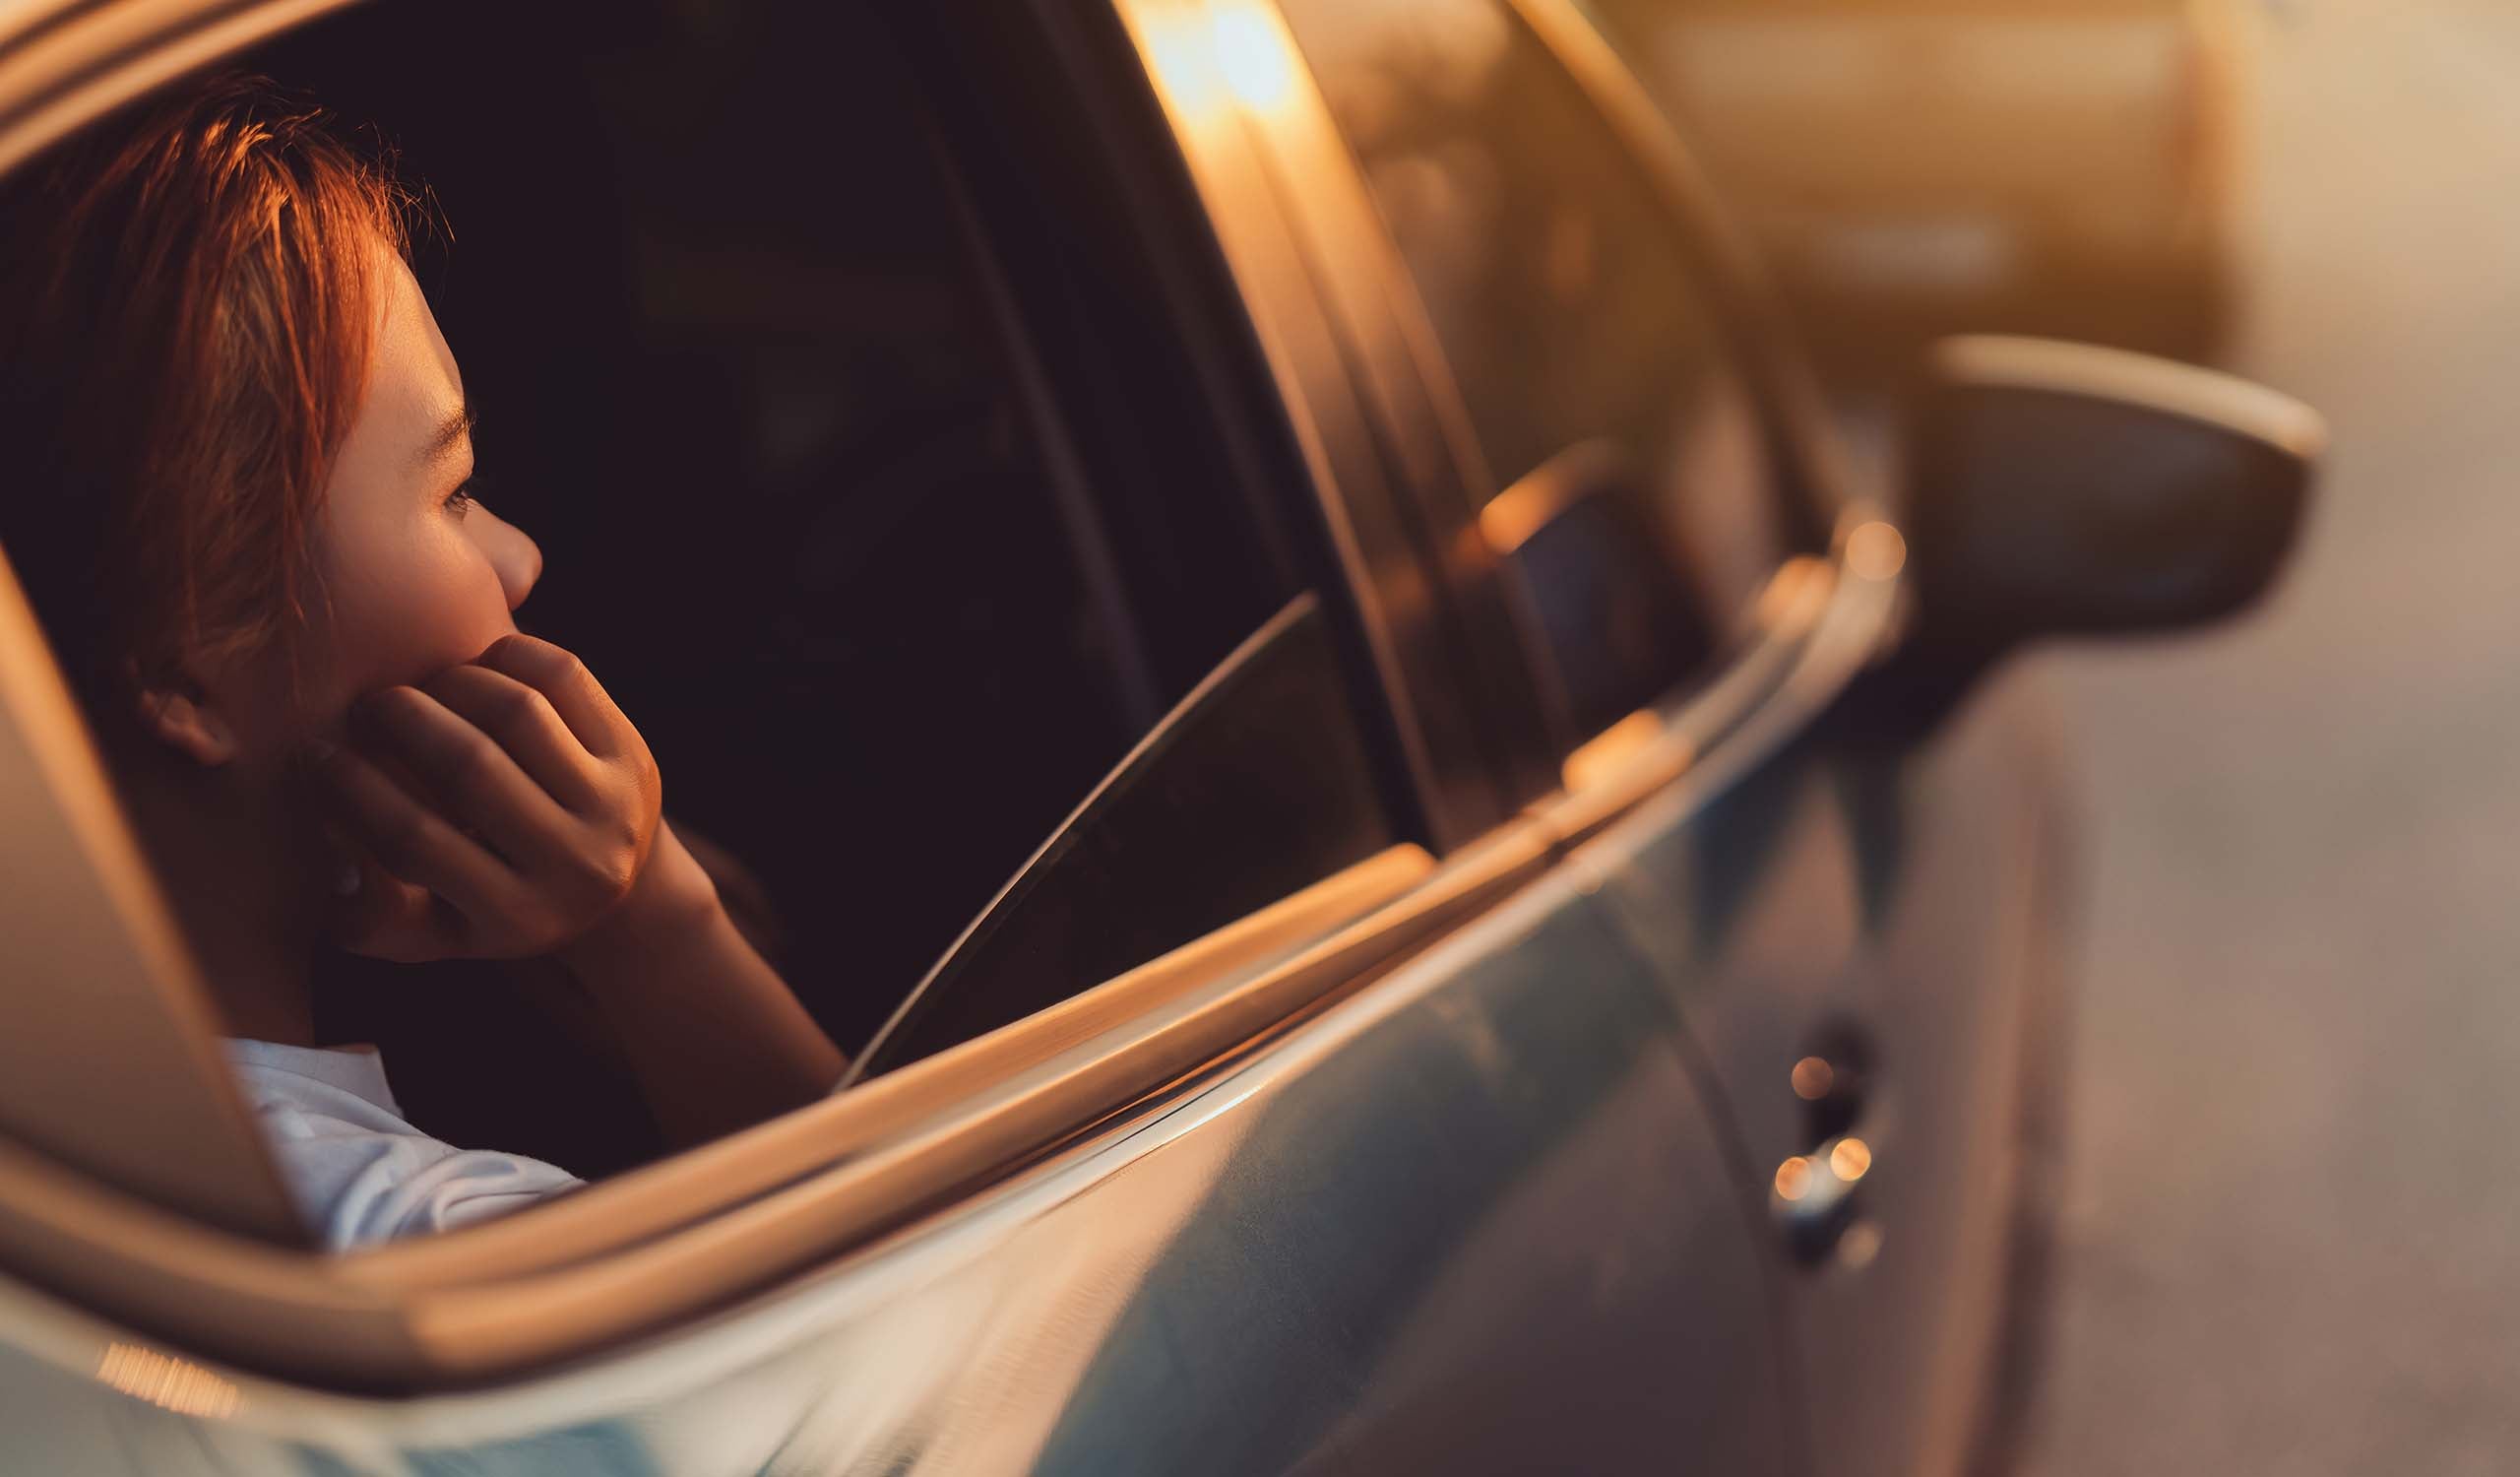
346, 883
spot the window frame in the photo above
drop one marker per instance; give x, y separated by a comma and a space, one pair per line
105, 56
176, 1260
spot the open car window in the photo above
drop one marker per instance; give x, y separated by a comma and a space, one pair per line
816, 498
745, 371
891, 577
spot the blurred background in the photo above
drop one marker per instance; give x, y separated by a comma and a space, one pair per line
2287, 1242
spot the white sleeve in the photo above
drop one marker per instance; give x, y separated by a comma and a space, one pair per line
427, 1184
356, 1186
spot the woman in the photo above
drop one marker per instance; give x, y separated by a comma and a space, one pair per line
238, 487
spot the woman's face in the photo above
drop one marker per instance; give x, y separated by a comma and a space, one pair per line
415, 575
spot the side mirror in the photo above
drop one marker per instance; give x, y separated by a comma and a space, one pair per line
2062, 490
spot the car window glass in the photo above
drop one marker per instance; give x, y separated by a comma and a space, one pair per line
1260, 783
1560, 292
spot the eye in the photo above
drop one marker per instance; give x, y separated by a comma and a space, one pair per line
459, 501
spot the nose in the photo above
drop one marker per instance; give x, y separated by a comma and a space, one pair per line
513, 553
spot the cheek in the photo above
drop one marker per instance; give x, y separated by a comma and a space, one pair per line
402, 609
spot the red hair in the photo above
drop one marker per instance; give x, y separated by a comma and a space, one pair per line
187, 299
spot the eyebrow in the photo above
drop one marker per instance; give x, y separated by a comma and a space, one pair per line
457, 427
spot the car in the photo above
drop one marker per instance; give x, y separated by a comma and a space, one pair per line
1928, 166
1418, 876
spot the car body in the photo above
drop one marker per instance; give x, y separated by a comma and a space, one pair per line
1469, 1025
1933, 166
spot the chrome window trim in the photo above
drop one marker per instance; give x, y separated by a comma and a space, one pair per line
1845, 614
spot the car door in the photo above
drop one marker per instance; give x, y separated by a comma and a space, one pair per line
1852, 934
1405, 1167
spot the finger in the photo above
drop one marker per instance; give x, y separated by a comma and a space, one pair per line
573, 693
523, 722
478, 782
411, 842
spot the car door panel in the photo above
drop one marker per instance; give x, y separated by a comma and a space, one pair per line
1482, 1224
1897, 901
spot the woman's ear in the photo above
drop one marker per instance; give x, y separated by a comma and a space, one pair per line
180, 715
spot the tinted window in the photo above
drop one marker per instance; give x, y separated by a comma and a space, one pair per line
1559, 290
1257, 785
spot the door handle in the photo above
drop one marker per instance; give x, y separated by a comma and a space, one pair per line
1813, 1197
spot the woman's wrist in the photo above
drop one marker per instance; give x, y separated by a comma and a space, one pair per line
673, 903
713, 1035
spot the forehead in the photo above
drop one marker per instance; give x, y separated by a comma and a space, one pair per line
414, 383
412, 390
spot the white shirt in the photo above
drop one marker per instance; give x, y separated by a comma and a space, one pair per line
356, 1171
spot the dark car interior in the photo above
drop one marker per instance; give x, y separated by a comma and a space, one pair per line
882, 603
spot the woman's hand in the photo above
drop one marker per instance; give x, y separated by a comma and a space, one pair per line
527, 821
506, 808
